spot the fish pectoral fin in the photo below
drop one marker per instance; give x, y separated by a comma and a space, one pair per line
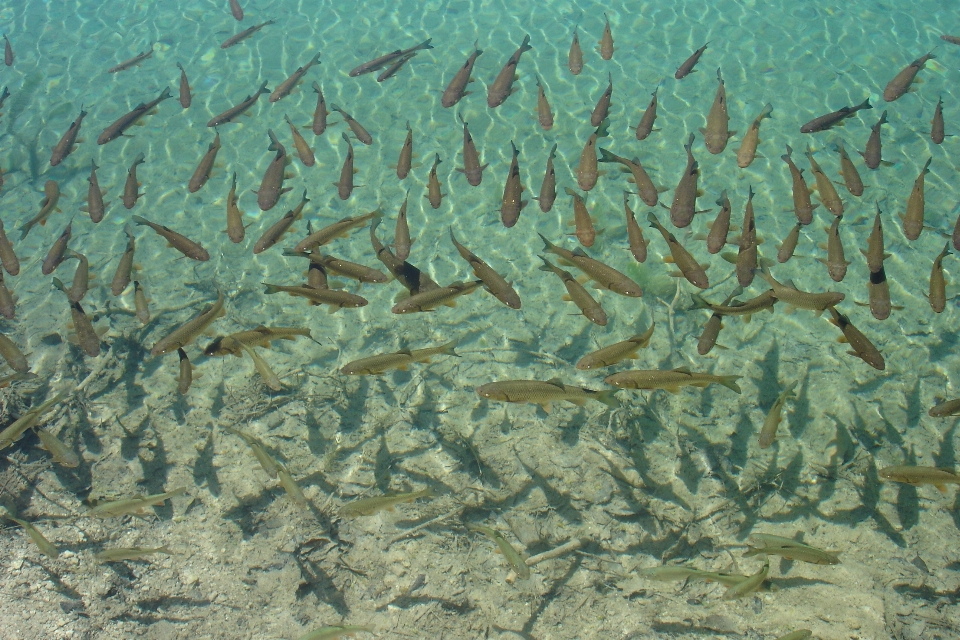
566, 297
545, 406
941, 488
577, 401
672, 389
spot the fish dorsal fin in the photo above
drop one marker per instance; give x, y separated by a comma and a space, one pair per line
684, 370
557, 382
580, 253
405, 351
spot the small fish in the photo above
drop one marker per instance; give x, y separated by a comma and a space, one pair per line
381, 363
548, 188
765, 300
689, 268
836, 262
587, 168
202, 173
684, 205
191, 329
717, 238
645, 188
181, 243
376, 504
860, 345
140, 303
604, 276
802, 206
8, 258
382, 61
291, 487
271, 186
669, 380
711, 329
788, 293
406, 154
131, 188
284, 88
185, 376
950, 39
55, 256
274, 234
7, 51
669, 573
936, 125
688, 65
130, 553
433, 196
516, 561
135, 504
828, 194
768, 544
236, 10
586, 233
320, 114
768, 432
748, 146
243, 35
430, 300
913, 217
304, 152
96, 207
544, 112
185, 98
124, 272
362, 134
747, 251
339, 229
501, 88
12, 355
266, 373
938, 284
614, 353
132, 62
392, 70
645, 126
493, 281
716, 135
269, 465
851, 177
236, 111
512, 203
638, 244
577, 294
401, 232
749, 585
916, 476
46, 547
902, 81
458, 85
824, 122
51, 196
575, 56
67, 141
946, 408
606, 40
602, 110
544, 393
128, 119
341, 267
878, 288
260, 337
336, 300
28, 420
872, 153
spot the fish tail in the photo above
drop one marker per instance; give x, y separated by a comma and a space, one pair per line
525, 45
865, 104
140, 220
270, 288
605, 156
607, 398
449, 348
883, 118
166, 93
547, 266
59, 285
547, 245
699, 302
602, 129
425, 44
730, 382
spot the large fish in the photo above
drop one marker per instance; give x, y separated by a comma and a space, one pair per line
851, 177
502, 86
243, 35
901, 82
430, 300
686, 68
824, 122
512, 204
458, 85
132, 62
647, 190
67, 141
7, 51
51, 196
835, 262
860, 345
181, 243
748, 146
392, 70
234, 112
684, 205
587, 167
606, 40
802, 206
602, 109
717, 238
202, 173
878, 288
938, 284
827, 192
605, 276
334, 299
577, 294
936, 125
55, 257
185, 98
284, 88
406, 154
645, 127
638, 244
583, 223
747, 252
271, 187
124, 273
189, 330
913, 217
496, 284
544, 393
669, 380
362, 134
320, 113
715, 135
339, 229
127, 120
273, 234
433, 195
345, 184
544, 113
472, 169
689, 268
304, 152
235, 229
872, 153
383, 61
8, 258
548, 188
131, 188
401, 232
575, 55
413, 279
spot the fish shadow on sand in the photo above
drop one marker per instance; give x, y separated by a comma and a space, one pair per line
204, 471
562, 504
467, 454
556, 589
800, 416
768, 386
320, 585
869, 494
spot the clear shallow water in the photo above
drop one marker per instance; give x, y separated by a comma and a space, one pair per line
249, 562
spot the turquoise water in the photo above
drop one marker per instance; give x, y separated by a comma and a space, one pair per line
669, 478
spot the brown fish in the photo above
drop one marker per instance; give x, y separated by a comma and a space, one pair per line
284, 88
51, 196
472, 170
711, 329
358, 130
669, 380
382, 61
261, 336
945, 408
433, 194
235, 229
124, 272
913, 218
787, 293
851, 177
802, 206
938, 284
401, 233
548, 188
458, 85
185, 98
575, 57
87, 337
273, 235
493, 281
335, 300
271, 187
606, 40
544, 113
236, 10
8, 258
234, 112
181, 243
684, 205
586, 233
789, 245
185, 376
392, 70
602, 110
502, 86
55, 256
127, 120
132, 62
688, 65
877, 286
12, 355
587, 168
202, 173
340, 267
345, 183
635, 239
8, 301
824, 122
7, 51
430, 300
747, 252
614, 353
825, 189
901, 82
339, 229
717, 238
917, 476
141, 303
320, 113
689, 268
191, 329
764, 301
715, 135
872, 153
748, 146
860, 345
406, 154
131, 187
589, 307
936, 125
243, 35
835, 262
512, 205
414, 280
950, 39
645, 127
66, 144
646, 189
542, 393
381, 363
605, 276
304, 152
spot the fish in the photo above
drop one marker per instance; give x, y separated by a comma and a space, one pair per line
131, 187
401, 232
8, 257
604, 276
748, 146
913, 217
46, 547
834, 118
944, 409
501, 88
614, 353
381, 363
577, 294
269, 465
132, 62
382, 61
717, 238
135, 504
749, 585
67, 141
668, 573
51, 197
715, 135
317, 274
513, 557
430, 300
902, 81
406, 154
28, 420
345, 183
8, 301
283, 89
236, 10
271, 186
950, 39
851, 178
765, 300
123, 274
802, 206
917, 475
645, 126
331, 633
496, 284
412, 278
392, 70
938, 284
768, 544
602, 109
336, 300
191, 329
339, 229
291, 487
684, 205
263, 369
433, 196
872, 153
127, 120
341, 267
544, 393
768, 432
636, 241
274, 234
261, 336
688, 65
586, 233
587, 168
319, 124
185, 98
472, 169
828, 194
787, 293
936, 125
606, 40
645, 188
362, 134
8, 380
548, 188
512, 203
711, 330
544, 112
8, 55
12, 355
87, 337
96, 207
860, 345
689, 268
575, 56
835, 262
747, 251
304, 152
140, 303
202, 173
243, 35
181, 243
130, 553
670, 380
55, 256
236, 111
185, 377
458, 84
878, 288
376, 504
